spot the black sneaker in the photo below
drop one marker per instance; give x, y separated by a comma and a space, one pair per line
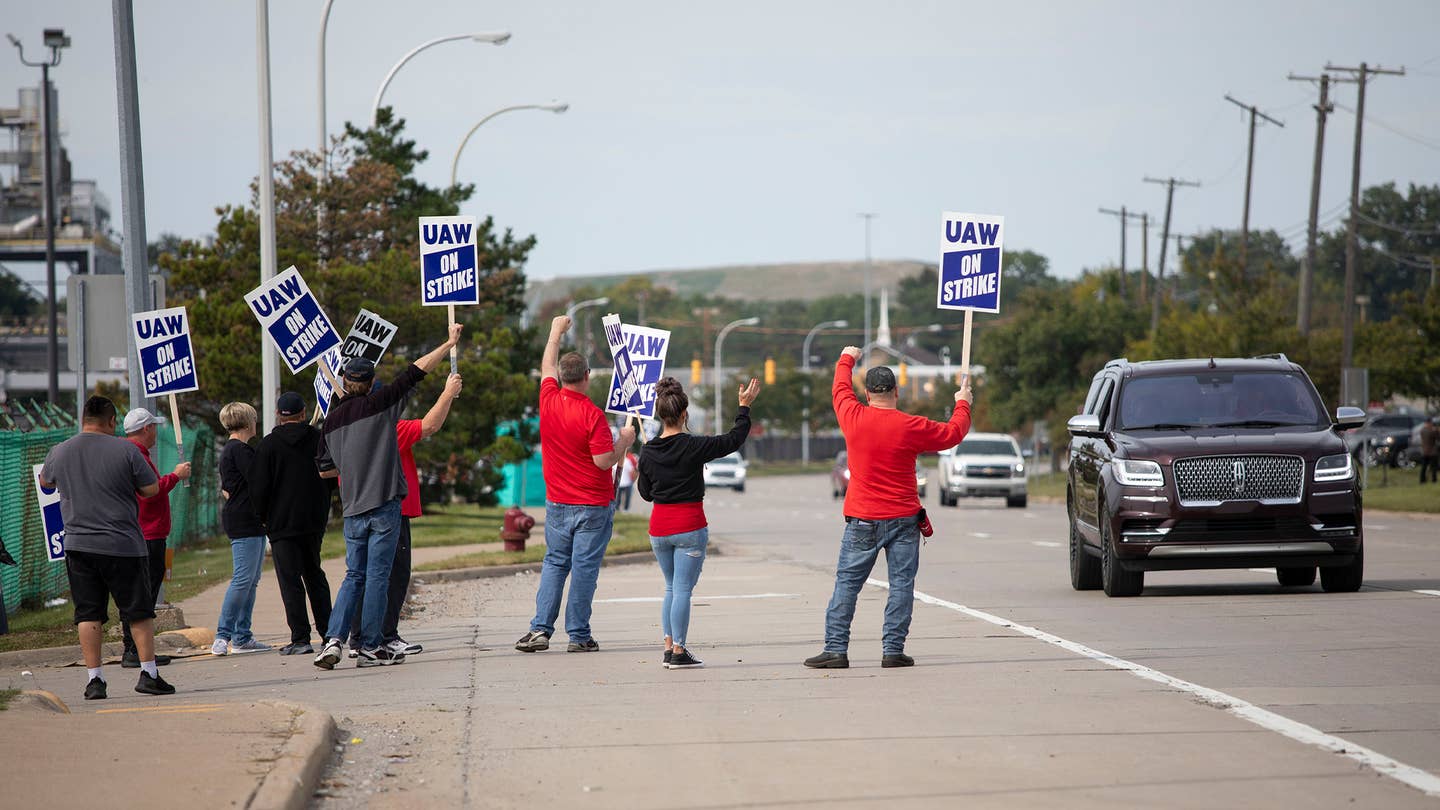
684, 660
828, 660
665, 662
153, 686
896, 660
533, 641
297, 648
588, 645
95, 690
379, 657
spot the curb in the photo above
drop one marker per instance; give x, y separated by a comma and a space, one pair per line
295, 773
39, 700
170, 641
492, 571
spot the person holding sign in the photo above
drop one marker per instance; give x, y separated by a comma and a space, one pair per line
672, 475
141, 430
98, 476
359, 445
293, 502
882, 510
577, 455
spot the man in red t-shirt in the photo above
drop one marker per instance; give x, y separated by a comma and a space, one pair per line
408, 433
576, 454
882, 509
141, 428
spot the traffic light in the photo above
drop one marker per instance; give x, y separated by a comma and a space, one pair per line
695, 372
769, 371
904, 375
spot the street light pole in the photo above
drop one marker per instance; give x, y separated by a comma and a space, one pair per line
719, 381
269, 363
556, 107
55, 40
805, 366
576, 307
866, 337
493, 37
323, 143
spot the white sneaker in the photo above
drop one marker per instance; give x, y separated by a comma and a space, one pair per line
330, 655
251, 646
220, 647
404, 647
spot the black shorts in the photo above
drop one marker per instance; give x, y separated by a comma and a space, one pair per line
94, 578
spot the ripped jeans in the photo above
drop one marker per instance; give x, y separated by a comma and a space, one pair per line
681, 557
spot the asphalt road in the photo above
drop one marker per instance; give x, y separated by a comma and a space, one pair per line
1364, 666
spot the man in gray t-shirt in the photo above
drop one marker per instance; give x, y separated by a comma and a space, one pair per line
98, 475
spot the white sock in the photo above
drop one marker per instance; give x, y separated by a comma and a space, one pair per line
148, 667
95, 672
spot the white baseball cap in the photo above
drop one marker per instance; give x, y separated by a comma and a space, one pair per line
138, 419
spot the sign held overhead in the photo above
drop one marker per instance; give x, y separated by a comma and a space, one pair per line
971, 246
289, 313
369, 337
644, 349
167, 356
449, 265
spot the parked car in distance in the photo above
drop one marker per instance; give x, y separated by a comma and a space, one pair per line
1412, 449
840, 477
1384, 438
1211, 463
726, 471
984, 465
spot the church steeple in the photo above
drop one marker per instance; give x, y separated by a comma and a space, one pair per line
882, 335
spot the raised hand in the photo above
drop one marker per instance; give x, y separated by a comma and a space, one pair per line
964, 392
455, 330
749, 392
851, 351
559, 325
453, 386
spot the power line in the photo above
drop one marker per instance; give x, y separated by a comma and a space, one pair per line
1402, 133
1255, 114
1401, 229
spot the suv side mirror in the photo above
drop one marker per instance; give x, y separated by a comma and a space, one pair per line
1085, 424
1348, 418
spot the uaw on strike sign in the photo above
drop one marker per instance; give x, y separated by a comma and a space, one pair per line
449, 269
970, 249
54, 523
289, 313
167, 358
334, 361
639, 353
369, 337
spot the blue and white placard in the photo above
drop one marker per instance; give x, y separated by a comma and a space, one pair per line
644, 350
293, 318
50, 517
971, 246
167, 357
449, 266
324, 391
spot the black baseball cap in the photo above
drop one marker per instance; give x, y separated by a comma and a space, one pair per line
879, 380
289, 404
359, 369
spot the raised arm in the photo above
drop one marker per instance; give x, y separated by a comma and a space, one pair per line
550, 360
435, 417
428, 363
842, 390
617, 454
713, 447
937, 436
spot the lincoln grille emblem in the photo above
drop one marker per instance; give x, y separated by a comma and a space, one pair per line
1239, 477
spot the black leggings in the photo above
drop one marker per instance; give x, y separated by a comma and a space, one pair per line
297, 569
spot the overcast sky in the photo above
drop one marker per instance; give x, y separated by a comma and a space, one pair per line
752, 132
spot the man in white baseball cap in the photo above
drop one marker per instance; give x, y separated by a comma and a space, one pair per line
141, 430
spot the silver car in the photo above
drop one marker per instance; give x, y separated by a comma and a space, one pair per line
985, 465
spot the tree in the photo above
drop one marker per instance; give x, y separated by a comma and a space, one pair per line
16, 299
362, 223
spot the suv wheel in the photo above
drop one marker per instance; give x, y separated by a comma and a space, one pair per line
1017, 502
1084, 568
1345, 578
1116, 580
1292, 577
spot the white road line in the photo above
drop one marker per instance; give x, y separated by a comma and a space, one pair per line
981, 535
1262, 570
1428, 593
699, 598
1045, 543
1424, 781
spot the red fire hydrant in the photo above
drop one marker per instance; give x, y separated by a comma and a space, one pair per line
516, 529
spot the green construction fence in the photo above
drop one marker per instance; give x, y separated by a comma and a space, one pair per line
27, 432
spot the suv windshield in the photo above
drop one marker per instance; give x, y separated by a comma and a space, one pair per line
1219, 399
985, 447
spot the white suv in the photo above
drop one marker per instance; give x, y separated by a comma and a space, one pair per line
985, 465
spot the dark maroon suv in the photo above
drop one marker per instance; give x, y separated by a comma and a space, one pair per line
1212, 463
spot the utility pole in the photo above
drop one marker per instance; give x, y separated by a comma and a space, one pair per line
132, 185
865, 361
1144, 255
269, 362
1362, 77
1307, 264
1170, 183
1123, 223
1249, 173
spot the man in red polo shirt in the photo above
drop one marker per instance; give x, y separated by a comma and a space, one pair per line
577, 455
141, 428
882, 510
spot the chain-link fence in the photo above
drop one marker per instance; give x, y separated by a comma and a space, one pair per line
27, 432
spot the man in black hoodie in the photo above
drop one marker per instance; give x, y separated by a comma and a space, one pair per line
293, 501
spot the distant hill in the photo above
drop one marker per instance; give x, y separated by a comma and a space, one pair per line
755, 282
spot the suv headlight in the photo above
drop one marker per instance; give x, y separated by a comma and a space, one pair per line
1334, 468
1019, 467
1138, 473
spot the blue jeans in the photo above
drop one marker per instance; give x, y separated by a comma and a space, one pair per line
859, 549
249, 556
681, 557
575, 538
370, 540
